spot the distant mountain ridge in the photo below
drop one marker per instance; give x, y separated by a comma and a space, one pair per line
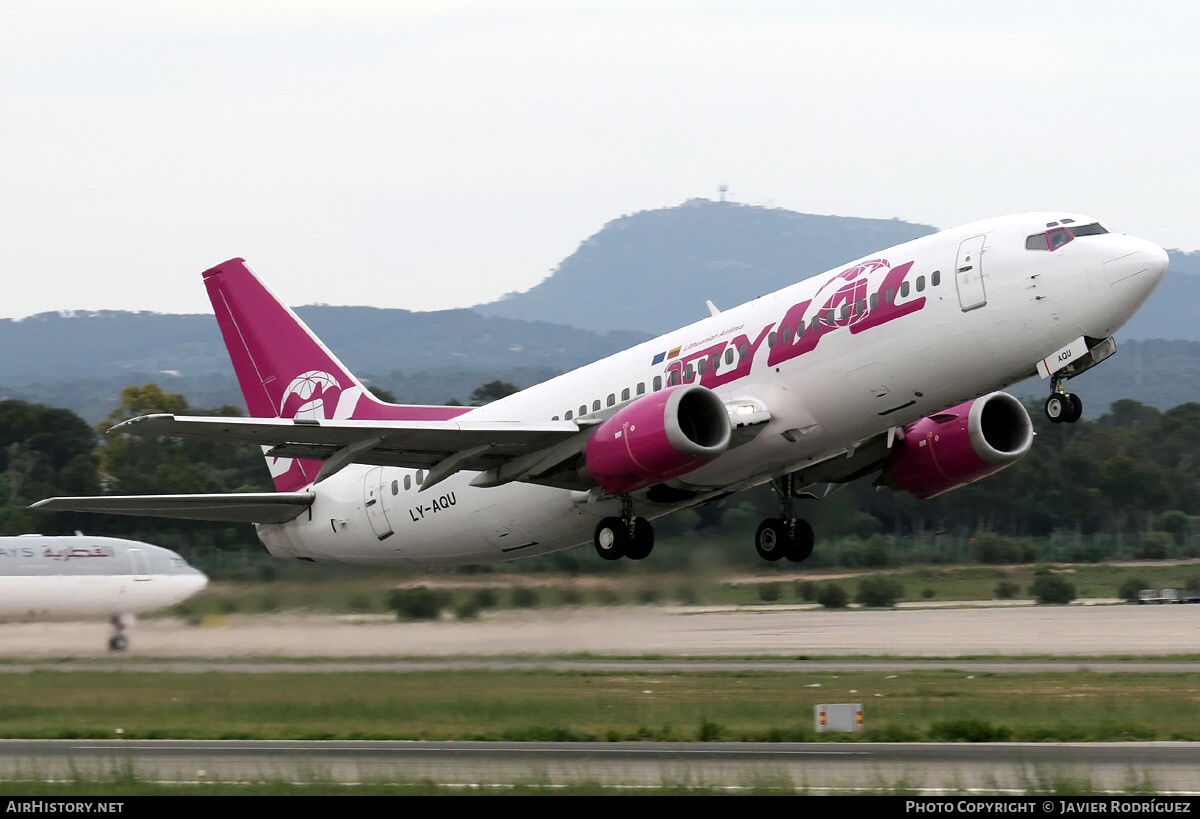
652, 271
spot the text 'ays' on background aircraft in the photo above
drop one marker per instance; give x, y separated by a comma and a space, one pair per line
81, 577
886, 366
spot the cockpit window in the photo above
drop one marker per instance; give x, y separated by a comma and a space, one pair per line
1055, 238
1094, 229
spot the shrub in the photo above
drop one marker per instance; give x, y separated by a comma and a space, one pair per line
969, 730
468, 609
1007, 590
1052, 588
770, 592
524, 597
879, 592
832, 596
806, 590
648, 595
1130, 588
1155, 546
419, 603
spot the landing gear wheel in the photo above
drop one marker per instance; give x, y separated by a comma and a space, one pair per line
801, 542
642, 542
1058, 407
118, 642
1076, 408
612, 538
772, 540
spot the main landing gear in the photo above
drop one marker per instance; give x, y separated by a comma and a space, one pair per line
118, 641
1063, 407
786, 536
625, 536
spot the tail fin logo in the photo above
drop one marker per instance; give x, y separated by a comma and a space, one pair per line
313, 394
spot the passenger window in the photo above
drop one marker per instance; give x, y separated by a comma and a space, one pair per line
582, 410
420, 476
395, 487
641, 388
800, 328
689, 373
612, 399
829, 318
935, 278
673, 379
920, 284
890, 295
844, 313
874, 300
555, 418
903, 290
596, 405
569, 415
702, 366
729, 355
407, 482
787, 334
657, 383
771, 340
625, 394
816, 323
860, 307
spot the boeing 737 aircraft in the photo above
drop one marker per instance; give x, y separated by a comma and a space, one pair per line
90, 578
889, 366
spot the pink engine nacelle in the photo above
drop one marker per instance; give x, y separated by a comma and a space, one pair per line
658, 437
959, 445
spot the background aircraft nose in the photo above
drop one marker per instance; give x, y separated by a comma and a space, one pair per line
1134, 274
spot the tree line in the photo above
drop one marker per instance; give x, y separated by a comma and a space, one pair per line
1131, 476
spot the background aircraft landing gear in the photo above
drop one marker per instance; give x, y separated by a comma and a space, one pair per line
119, 642
1063, 407
625, 536
787, 536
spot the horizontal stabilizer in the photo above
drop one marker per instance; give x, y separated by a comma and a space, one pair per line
237, 507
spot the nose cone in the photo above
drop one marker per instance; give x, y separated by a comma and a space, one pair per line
1134, 273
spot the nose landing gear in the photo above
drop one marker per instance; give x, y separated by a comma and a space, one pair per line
1063, 407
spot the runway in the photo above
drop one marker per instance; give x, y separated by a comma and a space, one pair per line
813, 767
648, 631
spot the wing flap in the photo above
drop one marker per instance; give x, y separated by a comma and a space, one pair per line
454, 445
237, 507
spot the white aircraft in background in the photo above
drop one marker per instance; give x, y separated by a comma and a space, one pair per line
888, 365
90, 578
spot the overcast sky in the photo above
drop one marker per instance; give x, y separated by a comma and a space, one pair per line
439, 154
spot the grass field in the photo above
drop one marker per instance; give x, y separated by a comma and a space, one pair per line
350, 591
546, 705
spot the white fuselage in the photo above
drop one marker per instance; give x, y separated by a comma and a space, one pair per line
897, 336
84, 578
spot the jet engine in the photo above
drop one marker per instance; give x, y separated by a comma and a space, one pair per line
658, 437
959, 445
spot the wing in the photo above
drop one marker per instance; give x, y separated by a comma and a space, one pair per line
502, 451
240, 507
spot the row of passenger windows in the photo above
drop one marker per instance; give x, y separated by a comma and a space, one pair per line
788, 332
408, 482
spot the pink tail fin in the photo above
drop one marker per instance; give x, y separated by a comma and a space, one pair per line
286, 372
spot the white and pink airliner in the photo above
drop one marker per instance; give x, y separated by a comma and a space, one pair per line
888, 366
